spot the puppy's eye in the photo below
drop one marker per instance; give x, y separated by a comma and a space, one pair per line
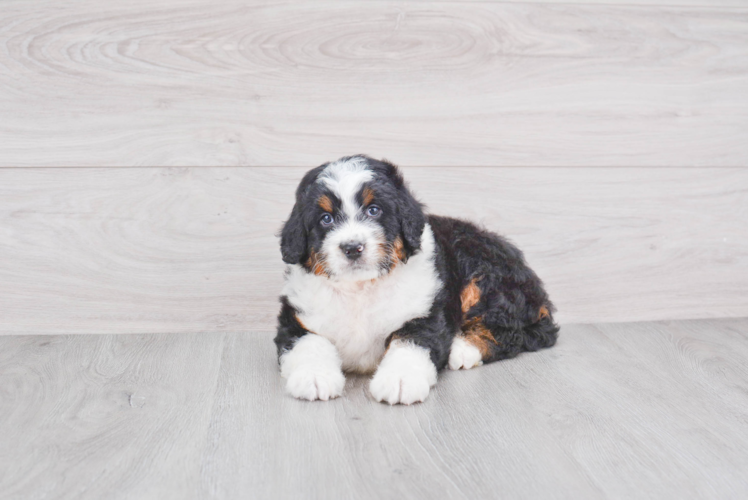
326, 219
373, 211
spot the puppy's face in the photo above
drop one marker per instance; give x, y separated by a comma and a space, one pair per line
354, 220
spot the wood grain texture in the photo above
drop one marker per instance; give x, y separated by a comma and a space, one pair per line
105, 416
613, 411
97, 83
191, 250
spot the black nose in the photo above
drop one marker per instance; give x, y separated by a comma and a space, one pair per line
352, 250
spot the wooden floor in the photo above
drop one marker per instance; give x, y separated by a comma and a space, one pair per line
614, 410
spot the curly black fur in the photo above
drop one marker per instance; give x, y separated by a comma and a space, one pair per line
511, 294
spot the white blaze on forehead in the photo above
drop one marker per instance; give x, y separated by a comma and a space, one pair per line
345, 178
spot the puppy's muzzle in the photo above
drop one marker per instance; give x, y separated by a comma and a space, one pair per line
352, 249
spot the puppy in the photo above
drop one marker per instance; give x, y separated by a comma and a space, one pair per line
375, 285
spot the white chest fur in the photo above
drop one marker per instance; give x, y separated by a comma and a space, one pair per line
358, 317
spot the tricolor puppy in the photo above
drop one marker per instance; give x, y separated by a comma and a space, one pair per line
375, 285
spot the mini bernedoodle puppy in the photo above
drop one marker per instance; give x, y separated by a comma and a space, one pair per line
375, 285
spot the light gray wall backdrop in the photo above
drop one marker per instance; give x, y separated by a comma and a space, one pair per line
150, 149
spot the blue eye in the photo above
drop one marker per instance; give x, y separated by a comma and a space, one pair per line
373, 211
326, 219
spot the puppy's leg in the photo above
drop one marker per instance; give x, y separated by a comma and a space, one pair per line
405, 375
464, 354
310, 364
407, 372
501, 321
312, 369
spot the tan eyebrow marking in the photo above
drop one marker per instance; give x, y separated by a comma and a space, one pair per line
325, 203
368, 196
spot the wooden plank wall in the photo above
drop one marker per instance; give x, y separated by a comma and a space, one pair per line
203, 83
151, 148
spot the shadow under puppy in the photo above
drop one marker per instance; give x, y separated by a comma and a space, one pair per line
375, 285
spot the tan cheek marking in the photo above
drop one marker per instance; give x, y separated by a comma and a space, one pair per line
325, 203
475, 333
316, 264
397, 254
470, 295
368, 196
399, 249
543, 313
381, 252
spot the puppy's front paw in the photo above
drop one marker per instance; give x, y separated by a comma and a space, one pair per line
312, 369
403, 388
463, 355
404, 376
315, 383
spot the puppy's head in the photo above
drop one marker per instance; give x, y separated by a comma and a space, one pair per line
354, 220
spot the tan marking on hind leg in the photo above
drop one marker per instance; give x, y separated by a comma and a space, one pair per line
472, 346
543, 313
475, 333
463, 355
470, 295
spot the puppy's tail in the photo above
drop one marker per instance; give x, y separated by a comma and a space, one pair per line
540, 334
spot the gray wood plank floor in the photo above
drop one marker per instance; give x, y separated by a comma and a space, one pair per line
637, 410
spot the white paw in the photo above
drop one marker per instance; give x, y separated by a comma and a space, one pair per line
463, 355
404, 376
312, 369
311, 384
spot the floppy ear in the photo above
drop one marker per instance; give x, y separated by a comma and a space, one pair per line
412, 220
293, 234
410, 212
293, 238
